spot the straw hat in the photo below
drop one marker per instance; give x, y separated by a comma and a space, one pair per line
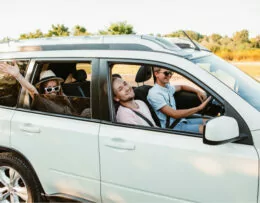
47, 75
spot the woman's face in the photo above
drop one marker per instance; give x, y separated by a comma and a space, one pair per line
52, 87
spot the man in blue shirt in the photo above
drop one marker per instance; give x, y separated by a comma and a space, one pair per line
161, 98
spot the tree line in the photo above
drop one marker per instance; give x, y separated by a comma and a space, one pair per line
238, 47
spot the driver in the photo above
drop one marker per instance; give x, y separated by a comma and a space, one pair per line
161, 98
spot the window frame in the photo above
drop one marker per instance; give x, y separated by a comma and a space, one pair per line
109, 118
20, 90
31, 74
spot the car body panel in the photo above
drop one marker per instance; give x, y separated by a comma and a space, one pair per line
175, 166
6, 115
63, 152
103, 161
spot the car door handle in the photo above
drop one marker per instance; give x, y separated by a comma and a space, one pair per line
27, 127
118, 143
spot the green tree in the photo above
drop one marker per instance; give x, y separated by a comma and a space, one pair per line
226, 41
215, 37
241, 36
119, 28
80, 31
255, 42
58, 30
37, 34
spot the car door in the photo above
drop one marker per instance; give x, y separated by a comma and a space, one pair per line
143, 164
63, 149
9, 94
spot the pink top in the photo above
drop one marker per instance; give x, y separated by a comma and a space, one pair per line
126, 115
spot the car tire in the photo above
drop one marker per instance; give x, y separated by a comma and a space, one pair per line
17, 181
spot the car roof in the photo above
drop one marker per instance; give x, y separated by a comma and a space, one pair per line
106, 42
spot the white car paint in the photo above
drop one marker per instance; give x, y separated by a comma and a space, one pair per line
175, 168
112, 163
63, 152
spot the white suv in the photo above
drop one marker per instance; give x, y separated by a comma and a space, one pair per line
50, 155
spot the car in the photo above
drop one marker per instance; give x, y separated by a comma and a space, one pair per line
50, 155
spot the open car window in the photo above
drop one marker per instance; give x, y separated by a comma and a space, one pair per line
9, 86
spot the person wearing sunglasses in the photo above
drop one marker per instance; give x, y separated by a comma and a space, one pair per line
48, 83
45, 93
161, 98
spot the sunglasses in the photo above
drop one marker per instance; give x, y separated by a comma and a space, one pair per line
166, 73
52, 89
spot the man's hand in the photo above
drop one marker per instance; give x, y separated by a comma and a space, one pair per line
11, 70
202, 96
204, 104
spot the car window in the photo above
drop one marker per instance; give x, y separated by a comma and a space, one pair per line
141, 78
9, 87
242, 84
71, 95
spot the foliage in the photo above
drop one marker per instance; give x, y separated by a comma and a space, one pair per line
37, 34
193, 35
256, 42
80, 31
119, 28
5, 39
237, 47
240, 55
58, 30
241, 36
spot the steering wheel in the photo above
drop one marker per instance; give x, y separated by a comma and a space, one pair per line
208, 106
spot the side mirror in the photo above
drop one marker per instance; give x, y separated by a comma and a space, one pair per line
221, 130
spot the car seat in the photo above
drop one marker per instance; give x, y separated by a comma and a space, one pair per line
145, 73
79, 88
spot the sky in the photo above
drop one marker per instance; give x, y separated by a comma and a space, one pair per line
224, 17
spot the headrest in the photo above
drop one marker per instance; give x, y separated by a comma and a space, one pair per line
144, 73
63, 69
80, 75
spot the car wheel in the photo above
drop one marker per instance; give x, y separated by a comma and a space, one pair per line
17, 182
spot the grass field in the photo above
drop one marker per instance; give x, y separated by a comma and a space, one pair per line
251, 68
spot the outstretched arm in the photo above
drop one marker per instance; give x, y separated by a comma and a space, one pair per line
14, 71
182, 113
202, 96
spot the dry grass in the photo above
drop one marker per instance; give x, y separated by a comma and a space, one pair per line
240, 55
251, 68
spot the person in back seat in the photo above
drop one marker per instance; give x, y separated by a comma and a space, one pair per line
76, 84
45, 93
130, 111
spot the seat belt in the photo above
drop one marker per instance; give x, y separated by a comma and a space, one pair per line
141, 115
175, 122
81, 91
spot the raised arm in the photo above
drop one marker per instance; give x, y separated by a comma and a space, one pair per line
15, 72
201, 95
182, 113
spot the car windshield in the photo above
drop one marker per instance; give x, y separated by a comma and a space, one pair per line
245, 86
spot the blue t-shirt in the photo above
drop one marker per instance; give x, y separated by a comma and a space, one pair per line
159, 97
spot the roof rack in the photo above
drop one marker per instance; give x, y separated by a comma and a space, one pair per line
106, 42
